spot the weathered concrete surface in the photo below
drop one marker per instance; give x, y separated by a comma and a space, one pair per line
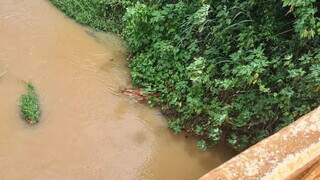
284, 155
312, 173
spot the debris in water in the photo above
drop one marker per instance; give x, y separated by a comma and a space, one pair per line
3, 73
137, 94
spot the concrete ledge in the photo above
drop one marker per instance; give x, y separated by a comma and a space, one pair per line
284, 155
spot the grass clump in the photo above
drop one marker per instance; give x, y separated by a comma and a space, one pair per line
29, 105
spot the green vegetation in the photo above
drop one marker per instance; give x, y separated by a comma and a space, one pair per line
230, 69
94, 13
29, 105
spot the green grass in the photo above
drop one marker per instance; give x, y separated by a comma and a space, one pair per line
29, 105
91, 13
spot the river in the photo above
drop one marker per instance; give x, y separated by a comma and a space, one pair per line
87, 130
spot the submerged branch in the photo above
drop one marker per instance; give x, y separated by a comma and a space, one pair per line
3, 74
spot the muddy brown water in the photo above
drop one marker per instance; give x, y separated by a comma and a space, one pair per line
87, 130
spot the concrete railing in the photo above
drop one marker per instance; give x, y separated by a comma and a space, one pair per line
288, 154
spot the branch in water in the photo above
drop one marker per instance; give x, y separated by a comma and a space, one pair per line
3, 73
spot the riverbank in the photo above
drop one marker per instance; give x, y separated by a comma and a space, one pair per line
86, 131
217, 71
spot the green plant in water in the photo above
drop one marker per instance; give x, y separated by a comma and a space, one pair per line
29, 105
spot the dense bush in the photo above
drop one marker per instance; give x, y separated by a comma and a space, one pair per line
231, 69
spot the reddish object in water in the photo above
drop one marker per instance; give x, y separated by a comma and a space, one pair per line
135, 93
138, 94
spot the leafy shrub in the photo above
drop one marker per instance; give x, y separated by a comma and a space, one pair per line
235, 70
29, 105
94, 13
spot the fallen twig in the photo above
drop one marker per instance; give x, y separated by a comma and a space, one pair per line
137, 94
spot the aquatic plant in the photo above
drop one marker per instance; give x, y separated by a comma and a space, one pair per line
233, 70
29, 105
